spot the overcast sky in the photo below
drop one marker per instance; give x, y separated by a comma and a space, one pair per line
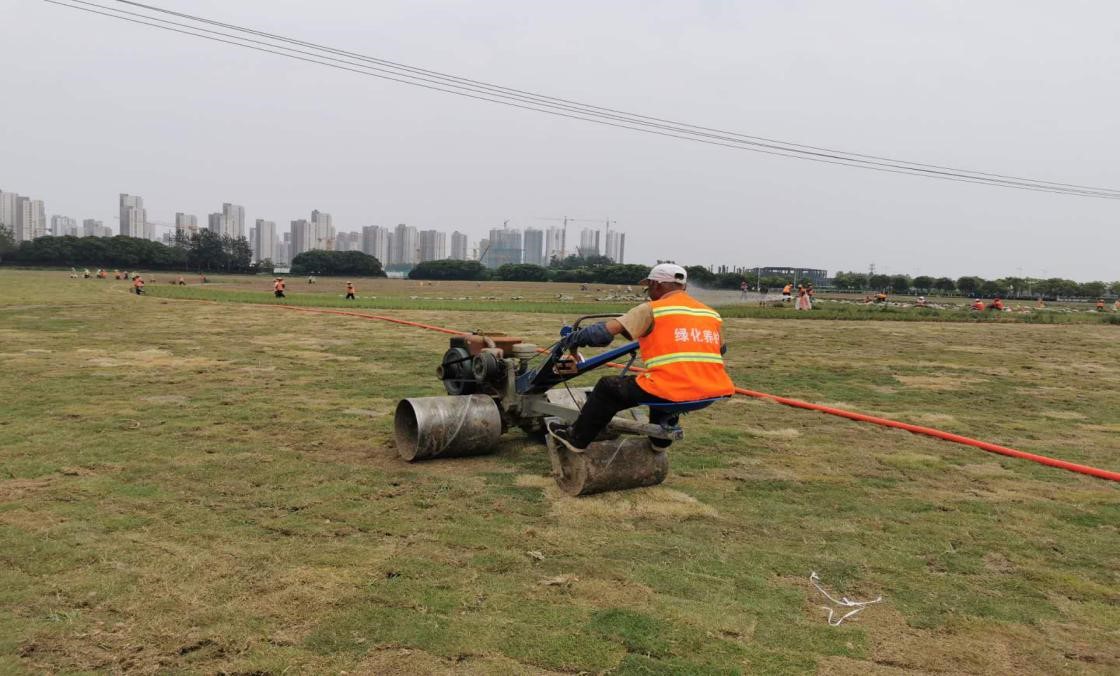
93, 107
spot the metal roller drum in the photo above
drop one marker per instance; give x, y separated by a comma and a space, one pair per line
627, 462
445, 427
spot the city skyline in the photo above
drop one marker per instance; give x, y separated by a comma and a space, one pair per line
401, 245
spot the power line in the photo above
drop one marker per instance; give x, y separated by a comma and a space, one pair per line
509, 90
433, 80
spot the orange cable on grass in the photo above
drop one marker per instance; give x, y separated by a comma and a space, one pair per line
797, 403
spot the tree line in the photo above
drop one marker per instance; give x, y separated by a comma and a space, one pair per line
580, 269
974, 286
204, 251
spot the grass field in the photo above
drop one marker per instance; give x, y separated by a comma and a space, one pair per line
211, 487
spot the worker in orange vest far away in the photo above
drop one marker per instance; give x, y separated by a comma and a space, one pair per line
349, 290
681, 343
786, 291
138, 284
1100, 305
997, 304
278, 287
977, 304
881, 297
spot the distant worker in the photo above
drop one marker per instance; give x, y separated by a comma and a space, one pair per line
977, 304
310, 279
743, 289
786, 291
349, 291
881, 297
997, 305
138, 285
181, 282
278, 287
116, 274
1040, 304
804, 302
1100, 305
681, 344
921, 302
1116, 305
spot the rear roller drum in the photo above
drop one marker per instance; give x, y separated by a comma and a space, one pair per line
618, 464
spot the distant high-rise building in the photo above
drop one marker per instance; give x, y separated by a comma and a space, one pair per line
282, 255
433, 245
217, 223
64, 226
375, 242
504, 247
406, 245
348, 241
534, 247
92, 227
9, 208
301, 237
322, 230
186, 224
264, 240
616, 246
133, 216
234, 215
459, 249
589, 242
553, 244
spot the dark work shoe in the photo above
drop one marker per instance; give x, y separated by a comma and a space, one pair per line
562, 434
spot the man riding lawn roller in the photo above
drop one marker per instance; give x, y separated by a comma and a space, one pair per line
681, 343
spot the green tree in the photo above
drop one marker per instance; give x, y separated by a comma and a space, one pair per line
573, 262
346, 263
944, 285
450, 269
923, 283
700, 275
522, 272
879, 282
992, 287
968, 286
7, 241
1114, 288
900, 283
1093, 289
850, 281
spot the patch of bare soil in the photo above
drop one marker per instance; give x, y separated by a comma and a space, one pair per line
15, 489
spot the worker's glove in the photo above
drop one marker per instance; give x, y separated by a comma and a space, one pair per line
595, 335
723, 348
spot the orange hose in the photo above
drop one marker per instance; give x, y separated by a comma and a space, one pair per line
796, 403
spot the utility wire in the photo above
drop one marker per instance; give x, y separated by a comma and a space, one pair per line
562, 107
541, 97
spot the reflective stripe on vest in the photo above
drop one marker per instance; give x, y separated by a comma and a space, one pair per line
682, 352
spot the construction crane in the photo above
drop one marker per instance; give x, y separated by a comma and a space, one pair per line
568, 219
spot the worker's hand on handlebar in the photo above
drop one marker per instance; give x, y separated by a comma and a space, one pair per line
595, 335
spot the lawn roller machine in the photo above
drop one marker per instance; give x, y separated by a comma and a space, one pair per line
497, 382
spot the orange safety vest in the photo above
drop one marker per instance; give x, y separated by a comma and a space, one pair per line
681, 354
787, 288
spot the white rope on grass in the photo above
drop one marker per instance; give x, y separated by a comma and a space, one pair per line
843, 601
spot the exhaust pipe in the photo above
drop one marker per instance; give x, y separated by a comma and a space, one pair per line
445, 427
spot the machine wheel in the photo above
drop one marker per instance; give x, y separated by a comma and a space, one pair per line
455, 372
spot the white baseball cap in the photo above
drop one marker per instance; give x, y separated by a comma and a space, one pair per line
667, 272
